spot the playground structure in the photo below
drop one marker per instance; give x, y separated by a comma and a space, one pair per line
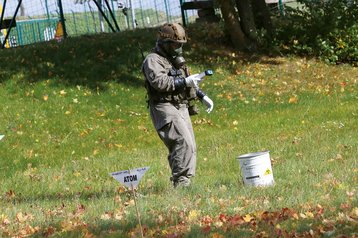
29, 21
206, 10
26, 22
23, 24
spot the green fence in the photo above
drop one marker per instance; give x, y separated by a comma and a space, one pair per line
30, 31
36, 20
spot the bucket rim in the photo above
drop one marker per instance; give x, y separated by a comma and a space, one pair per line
253, 154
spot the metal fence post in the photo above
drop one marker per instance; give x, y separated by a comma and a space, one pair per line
156, 10
47, 11
169, 11
112, 14
182, 13
86, 17
74, 21
281, 7
134, 21
141, 12
62, 18
166, 10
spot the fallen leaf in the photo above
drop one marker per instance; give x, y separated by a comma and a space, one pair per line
49, 231
4, 220
293, 99
354, 213
193, 215
106, 216
217, 235
247, 218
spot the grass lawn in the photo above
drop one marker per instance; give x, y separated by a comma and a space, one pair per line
73, 112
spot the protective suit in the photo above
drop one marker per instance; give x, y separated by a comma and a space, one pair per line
169, 90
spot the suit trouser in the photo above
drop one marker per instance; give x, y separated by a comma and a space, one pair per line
178, 136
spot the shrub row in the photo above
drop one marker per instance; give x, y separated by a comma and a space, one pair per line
325, 29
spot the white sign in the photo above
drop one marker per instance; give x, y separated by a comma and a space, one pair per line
1, 137
130, 178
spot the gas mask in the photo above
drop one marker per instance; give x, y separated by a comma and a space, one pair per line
178, 61
172, 49
177, 51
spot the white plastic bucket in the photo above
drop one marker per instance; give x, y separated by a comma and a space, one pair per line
256, 169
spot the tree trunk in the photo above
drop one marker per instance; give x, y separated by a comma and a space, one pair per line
238, 38
247, 19
262, 15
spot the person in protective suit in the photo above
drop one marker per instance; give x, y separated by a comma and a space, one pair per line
170, 89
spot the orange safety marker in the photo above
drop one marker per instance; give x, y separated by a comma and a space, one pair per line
59, 31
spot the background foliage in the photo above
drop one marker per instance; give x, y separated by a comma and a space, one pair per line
325, 29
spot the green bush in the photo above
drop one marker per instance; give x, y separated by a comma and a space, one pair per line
340, 45
326, 29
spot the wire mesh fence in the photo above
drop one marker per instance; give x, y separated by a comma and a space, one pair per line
37, 20
29, 21
33, 22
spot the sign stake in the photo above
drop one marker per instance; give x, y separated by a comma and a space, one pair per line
130, 179
138, 214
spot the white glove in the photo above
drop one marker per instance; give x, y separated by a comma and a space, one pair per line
208, 103
192, 81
